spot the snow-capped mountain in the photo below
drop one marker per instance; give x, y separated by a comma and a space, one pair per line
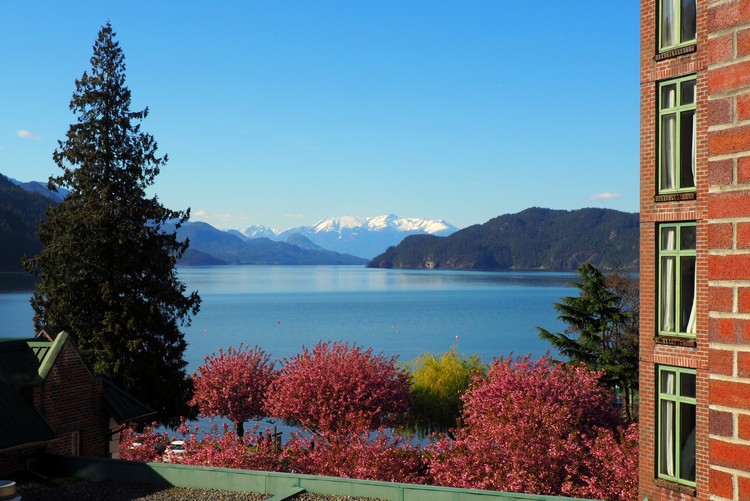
260, 231
359, 236
384, 223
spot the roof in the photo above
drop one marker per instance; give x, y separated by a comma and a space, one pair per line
21, 424
46, 352
122, 405
25, 363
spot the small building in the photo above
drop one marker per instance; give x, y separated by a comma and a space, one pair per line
52, 402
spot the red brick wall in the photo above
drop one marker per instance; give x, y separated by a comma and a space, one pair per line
722, 211
691, 355
728, 87
70, 400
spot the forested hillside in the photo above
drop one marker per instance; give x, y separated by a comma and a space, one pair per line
20, 214
532, 239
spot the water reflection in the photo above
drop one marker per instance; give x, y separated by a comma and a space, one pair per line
16, 282
275, 279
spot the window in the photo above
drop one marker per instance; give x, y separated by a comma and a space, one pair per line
75, 443
677, 135
676, 23
676, 424
677, 279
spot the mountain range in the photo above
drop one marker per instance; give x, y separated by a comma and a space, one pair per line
532, 239
359, 236
209, 245
341, 240
21, 212
535, 238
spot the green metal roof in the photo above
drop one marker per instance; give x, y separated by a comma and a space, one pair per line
122, 405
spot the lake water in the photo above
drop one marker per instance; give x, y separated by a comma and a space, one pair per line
403, 312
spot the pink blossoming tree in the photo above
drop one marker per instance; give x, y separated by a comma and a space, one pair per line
536, 426
149, 445
366, 455
233, 384
336, 387
222, 448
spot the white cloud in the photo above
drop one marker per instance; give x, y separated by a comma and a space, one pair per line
605, 196
27, 135
294, 216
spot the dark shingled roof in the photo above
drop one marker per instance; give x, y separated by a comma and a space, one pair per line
21, 423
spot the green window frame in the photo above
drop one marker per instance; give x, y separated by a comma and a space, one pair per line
676, 424
676, 23
676, 135
677, 287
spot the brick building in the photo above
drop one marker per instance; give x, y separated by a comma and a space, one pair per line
51, 402
695, 249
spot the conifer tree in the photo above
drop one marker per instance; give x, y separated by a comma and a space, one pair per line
107, 269
602, 330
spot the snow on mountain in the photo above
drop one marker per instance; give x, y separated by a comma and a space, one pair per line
339, 223
260, 231
410, 224
384, 223
359, 236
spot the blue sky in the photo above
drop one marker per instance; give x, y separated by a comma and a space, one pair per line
284, 113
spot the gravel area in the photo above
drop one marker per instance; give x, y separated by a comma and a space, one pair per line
319, 497
81, 490
84, 490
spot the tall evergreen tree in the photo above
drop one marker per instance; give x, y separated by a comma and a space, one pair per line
107, 269
602, 329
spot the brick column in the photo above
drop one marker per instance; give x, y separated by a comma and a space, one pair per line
729, 248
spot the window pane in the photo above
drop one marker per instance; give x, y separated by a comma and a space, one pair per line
668, 96
687, 91
687, 385
687, 150
687, 442
667, 435
667, 384
667, 294
668, 238
687, 21
668, 152
667, 23
687, 294
687, 238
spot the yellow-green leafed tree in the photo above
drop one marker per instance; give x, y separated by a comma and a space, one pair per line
437, 385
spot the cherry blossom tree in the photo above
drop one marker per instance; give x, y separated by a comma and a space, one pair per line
539, 427
220, 447
379, 455
611, 466
148, 445
233, 384
336, 387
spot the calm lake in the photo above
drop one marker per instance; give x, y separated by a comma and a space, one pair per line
403, 312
